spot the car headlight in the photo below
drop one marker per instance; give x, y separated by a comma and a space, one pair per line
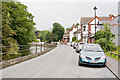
82, 56
103, 57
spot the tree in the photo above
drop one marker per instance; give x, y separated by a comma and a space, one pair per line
74, 39
77, 24
41, 35
68, 28
58, 31
37, 32
7, 32
105, 38
49, 37
45, 36
22, 23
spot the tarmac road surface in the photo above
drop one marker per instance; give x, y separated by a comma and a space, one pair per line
61, 62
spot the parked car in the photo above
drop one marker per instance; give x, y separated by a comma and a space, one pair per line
92, 54
79, 47
72, 43
75, 45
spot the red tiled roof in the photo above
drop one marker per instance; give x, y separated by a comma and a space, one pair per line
88, 19
103, 18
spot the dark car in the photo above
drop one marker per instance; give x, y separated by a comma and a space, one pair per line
92, 54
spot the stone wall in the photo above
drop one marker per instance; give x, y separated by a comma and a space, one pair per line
5, 64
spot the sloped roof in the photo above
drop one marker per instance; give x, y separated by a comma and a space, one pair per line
88, 19
103, 18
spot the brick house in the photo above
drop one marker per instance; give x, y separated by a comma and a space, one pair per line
88, 27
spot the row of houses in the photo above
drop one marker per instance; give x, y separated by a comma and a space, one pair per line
86, 30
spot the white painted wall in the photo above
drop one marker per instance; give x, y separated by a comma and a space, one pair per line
85, 33
93, 26
79, 36
71, 34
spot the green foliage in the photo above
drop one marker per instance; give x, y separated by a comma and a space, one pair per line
79, 40
7, 32
105, 38
58, 31
45, 36
49, 37
68, 28
77, 24
22, 22
17, 27
36, 40
37, 32
74, 39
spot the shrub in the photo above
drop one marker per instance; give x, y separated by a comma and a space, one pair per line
106, 45
105, 38
36, 40
79, 40
74, 39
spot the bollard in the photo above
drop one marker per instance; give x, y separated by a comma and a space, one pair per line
44, 46
36, 48
41, 47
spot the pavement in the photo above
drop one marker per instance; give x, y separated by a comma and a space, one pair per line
61, 62
113, 65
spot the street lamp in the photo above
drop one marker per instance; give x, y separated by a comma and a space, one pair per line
95, 20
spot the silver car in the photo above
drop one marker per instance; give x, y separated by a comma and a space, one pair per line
79, 47
72, 43
92, 54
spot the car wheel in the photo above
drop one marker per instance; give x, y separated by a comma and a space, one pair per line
76, 51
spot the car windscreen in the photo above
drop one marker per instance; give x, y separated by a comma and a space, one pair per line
94, 48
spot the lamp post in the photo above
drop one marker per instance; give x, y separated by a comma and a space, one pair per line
95, 20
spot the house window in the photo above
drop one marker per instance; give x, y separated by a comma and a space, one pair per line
84, 28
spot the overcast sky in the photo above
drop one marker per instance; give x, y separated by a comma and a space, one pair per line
66, 12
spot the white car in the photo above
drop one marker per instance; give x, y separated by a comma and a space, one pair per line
79, 47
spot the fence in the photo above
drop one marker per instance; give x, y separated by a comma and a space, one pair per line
111, 53
24, 50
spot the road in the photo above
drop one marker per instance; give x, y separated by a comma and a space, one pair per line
61, 62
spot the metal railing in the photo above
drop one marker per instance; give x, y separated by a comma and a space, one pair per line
111, 53
32, 49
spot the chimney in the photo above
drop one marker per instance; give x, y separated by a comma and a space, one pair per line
110, 15
73, 26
